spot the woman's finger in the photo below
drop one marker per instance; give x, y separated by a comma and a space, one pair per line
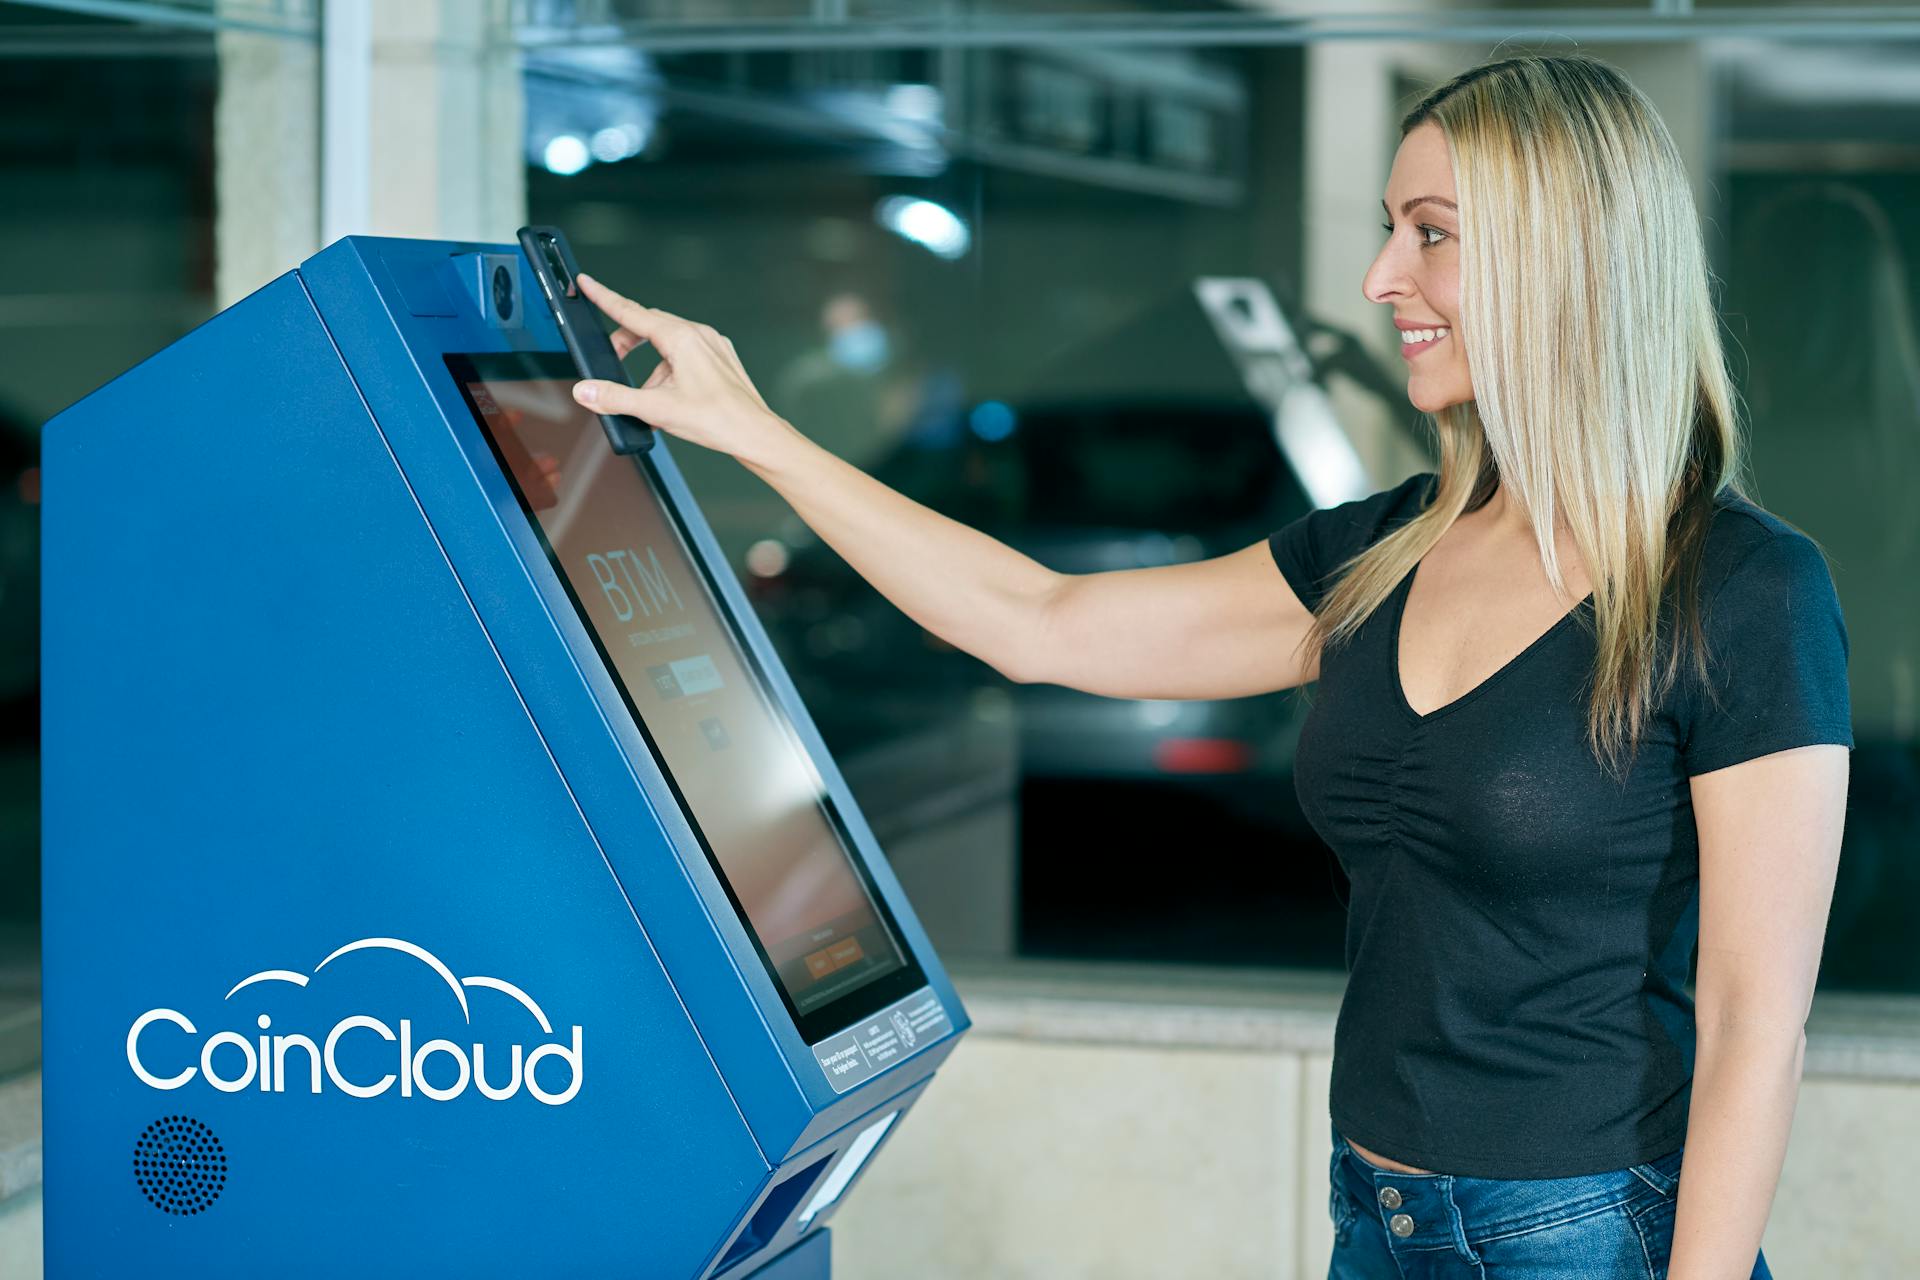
625, 343
660, 327
614, 398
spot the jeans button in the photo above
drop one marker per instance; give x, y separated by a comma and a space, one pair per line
1390, 1197
1401, 1225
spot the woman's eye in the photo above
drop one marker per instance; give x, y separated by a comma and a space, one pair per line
1424, 244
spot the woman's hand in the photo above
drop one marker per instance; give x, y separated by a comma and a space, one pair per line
698, 392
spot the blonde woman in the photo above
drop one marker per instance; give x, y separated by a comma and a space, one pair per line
1580, 702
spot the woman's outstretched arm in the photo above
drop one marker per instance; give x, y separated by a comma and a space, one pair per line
1225, 627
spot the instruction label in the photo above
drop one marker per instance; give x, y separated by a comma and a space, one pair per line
864, 1050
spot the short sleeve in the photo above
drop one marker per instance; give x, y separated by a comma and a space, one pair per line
1311, 548
1776, 659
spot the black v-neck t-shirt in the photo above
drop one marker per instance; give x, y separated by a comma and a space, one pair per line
1521, 926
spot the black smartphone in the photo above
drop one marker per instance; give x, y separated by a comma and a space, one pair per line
553, 266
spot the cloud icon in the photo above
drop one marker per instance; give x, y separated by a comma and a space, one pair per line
418, 953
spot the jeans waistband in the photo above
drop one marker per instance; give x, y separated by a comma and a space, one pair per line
1439, 1208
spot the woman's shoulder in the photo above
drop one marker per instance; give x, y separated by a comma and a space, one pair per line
1312, 547
1376, 514
1750, 544
1776, 642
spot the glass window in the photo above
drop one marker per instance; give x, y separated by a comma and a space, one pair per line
974, 268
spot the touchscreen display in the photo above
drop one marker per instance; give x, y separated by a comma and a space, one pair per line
742, 777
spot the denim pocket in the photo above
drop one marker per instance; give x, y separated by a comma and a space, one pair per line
1653, 1218
1663, 1175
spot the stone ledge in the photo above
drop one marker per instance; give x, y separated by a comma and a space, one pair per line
1151, 1006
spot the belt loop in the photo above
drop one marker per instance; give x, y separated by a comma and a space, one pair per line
1457, 1221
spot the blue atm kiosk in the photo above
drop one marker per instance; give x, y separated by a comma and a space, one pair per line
442, 876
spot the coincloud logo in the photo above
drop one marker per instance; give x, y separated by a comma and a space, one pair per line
262, 1062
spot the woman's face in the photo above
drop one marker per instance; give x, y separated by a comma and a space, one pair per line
1417, 271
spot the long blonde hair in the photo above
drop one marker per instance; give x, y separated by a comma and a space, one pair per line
1600, 387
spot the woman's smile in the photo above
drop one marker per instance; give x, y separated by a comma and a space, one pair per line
1414, 341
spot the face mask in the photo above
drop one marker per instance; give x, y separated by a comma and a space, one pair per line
860, 347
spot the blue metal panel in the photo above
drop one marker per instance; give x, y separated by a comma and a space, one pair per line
786, 1101
274, 727
807, 1260
310, 682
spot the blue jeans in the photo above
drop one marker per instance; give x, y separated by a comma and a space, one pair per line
1435, 1226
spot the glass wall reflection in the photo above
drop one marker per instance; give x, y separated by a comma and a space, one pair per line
982, 273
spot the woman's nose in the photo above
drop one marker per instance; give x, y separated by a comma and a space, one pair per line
1377, 283
1386, 279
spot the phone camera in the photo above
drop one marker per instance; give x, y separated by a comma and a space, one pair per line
503, 292
557, 265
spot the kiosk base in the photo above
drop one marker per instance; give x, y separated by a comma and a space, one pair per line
811, 1259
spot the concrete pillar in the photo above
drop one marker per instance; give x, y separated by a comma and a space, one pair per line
447, 156
266, 139
423, 136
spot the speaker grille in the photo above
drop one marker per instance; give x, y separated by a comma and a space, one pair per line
180, 1166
